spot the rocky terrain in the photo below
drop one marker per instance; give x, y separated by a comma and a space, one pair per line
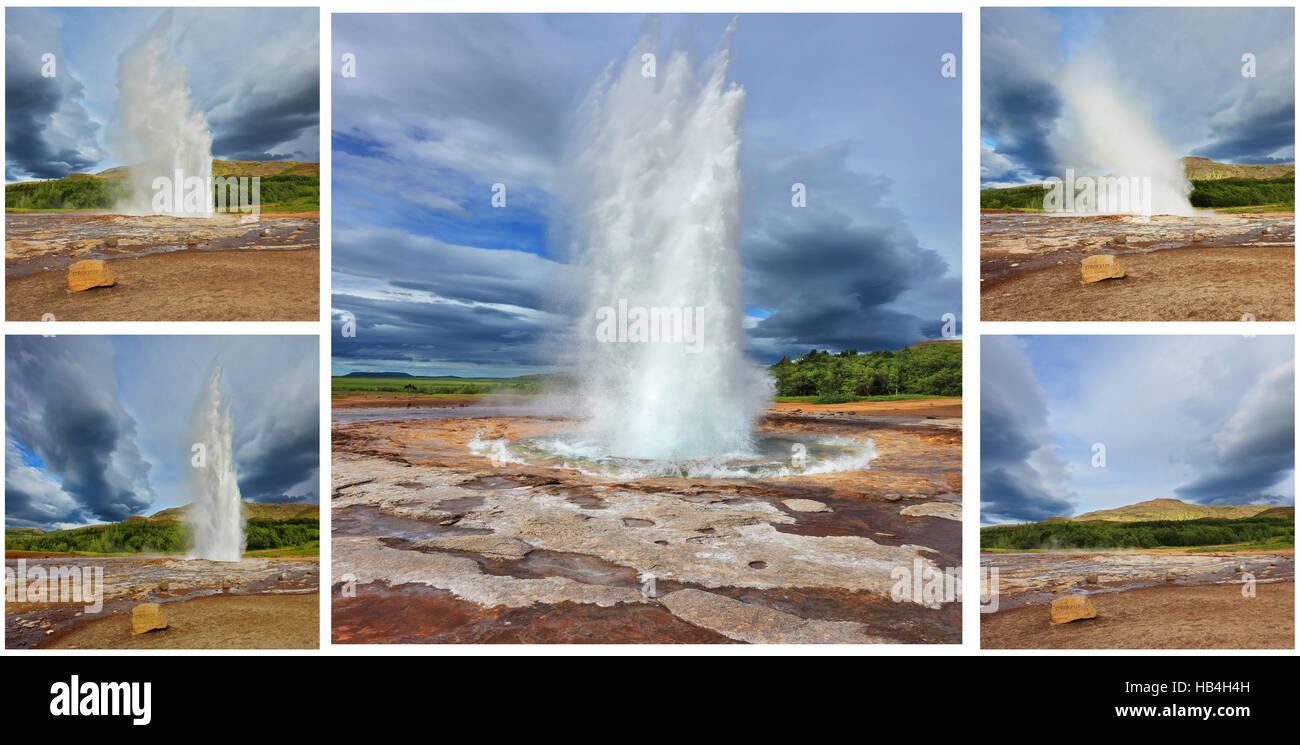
1214, 267
434, 543
130, 581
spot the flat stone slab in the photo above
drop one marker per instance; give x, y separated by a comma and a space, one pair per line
759, 625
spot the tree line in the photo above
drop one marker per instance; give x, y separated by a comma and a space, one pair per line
932, 370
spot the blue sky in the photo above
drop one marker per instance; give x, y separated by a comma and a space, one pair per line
1163, 60
262, 100
1202, 419
96, 427
444, 106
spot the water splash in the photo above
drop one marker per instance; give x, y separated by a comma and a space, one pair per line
162, 131
1103, 133
654, 186
216, 516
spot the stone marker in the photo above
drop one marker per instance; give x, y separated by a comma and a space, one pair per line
84, 275
1072, 608
147, 617
1101, 266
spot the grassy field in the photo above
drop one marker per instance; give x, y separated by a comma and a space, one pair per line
438, 387
271, 530
1227, 187
1208, 533
285, 186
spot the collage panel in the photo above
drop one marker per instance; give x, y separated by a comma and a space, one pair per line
1137, 492
645, 330
1137, 164
162, 492
162, 164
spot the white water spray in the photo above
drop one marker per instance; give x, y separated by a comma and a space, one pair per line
655, 189
1104, 134
216, 516
162, 133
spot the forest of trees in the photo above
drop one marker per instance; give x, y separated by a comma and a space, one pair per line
1098, 534
933, 370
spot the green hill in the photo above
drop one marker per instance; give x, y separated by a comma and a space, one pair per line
1171, 509
1152, 524
285, 186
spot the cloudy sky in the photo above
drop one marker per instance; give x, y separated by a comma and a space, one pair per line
1204, 419
442, 107
254, 72
97, 428
1181, 68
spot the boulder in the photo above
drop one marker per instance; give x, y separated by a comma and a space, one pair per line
1120, 239
110, 241
147, 617
84, 275
1091, 579
1101, 266
1072, 608
946, 510
162, 586
1171, 577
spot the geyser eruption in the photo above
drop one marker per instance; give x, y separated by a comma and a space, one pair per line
655, 190
1105, 134
163, 134
216, 516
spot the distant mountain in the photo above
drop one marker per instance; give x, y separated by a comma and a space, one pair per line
229, 168
378, 375
1204, 169
253, 511
935, 343
1170, 509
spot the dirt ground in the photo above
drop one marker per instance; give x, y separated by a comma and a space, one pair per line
213, 622
1204, 617
180, 286
1178, 284
921, 407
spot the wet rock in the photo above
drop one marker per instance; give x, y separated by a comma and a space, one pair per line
84, 275
491, 546
805, 505
1072, 608
1101, 266
147, 617
759, 625
945, 510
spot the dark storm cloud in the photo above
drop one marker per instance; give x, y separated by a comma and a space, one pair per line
61, 404
48, 133
1255, 139
1255, 449
469, 305
263, 119
843, 272
1019, 103
1021, 479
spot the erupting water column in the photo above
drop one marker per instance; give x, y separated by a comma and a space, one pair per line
1107, 135
216, 516
655, 189
163, 133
